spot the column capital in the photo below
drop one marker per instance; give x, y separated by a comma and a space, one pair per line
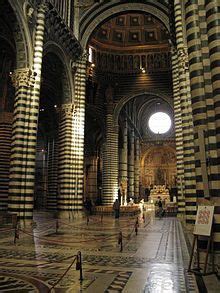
43, 6
22, 77
183, 57
68, 109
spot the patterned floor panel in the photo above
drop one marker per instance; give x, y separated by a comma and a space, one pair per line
154, 260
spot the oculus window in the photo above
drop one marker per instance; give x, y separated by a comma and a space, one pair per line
159, 123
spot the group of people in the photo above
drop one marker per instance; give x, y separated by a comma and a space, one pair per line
88, 207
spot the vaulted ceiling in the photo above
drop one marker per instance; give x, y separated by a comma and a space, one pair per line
130, 30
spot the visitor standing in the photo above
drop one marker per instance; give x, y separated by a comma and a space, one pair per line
116, 208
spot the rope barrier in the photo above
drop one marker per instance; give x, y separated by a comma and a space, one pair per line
135, 228
6, 230
103, 228
63, 242
69, 267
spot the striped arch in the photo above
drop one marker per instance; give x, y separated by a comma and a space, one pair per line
52, 47
100, 12
124, 100
23, 37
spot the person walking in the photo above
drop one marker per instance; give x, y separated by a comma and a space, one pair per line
88, 206
116, 208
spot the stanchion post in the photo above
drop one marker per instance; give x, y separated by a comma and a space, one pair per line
80, 271
136, 226
120, 241
79, 265
16, 236
87, 220
57, 226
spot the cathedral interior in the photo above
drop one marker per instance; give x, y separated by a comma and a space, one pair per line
105, 100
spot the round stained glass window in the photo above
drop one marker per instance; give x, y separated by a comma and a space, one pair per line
159, 123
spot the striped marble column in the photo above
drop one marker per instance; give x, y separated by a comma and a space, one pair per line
136, 169
52, 174
201, 99
212, 9
186, 117
5, 152
178, 133
71, 147
123, 164
67, 185
24, 137
131, 165
91, 186
110, 162
78, 128
22, 166
213, 30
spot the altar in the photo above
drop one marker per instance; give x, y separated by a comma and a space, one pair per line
159, 191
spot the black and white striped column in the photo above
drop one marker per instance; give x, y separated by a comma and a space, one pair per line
52, 175
91, 182
71, 147
209, 169
131, 164
178, 133
212, 13
5, 152
24, 129
67, 185
212, 8
201, 105
110, 162
137, 169
123, 164
186, 116
78, 128
22, 166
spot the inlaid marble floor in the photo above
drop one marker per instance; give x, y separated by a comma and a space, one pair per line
155, 260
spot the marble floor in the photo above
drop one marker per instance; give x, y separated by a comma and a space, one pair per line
43, 259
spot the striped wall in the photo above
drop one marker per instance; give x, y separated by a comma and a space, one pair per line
186, 117
5, 152
24, 129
